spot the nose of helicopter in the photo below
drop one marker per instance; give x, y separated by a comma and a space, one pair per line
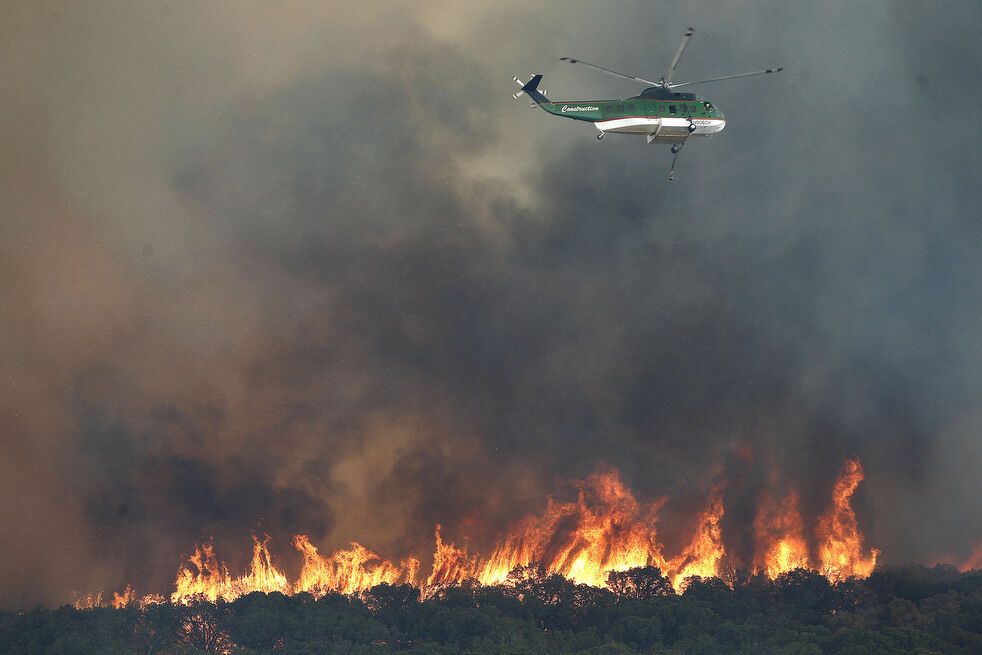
711, 125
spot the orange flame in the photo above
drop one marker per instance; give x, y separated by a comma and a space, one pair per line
604, 529
974, 561
87, 601
262, 575
121, 600
209, 578
348, 571
126, 598
451, 565
840, 541
704, 553
780, 531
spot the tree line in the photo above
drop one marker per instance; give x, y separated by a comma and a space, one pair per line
915, 610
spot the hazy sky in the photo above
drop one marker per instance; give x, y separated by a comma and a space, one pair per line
307, 267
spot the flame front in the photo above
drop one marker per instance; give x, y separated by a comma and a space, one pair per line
209, 579
974, 561
841, 542
705, 552
605, 529
780, 535
348, 571
451, 566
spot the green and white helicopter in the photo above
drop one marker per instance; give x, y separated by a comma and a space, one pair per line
659, 112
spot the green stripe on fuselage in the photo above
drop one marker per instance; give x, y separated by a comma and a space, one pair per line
608, 110
580, 111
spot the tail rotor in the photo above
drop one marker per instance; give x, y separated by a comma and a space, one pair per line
531, 89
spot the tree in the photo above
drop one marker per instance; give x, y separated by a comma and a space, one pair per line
155, 629
201, 627
641, 583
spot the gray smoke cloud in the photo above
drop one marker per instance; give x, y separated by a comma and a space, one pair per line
307, 268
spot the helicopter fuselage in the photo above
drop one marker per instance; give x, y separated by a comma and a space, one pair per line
660, 113
665, 117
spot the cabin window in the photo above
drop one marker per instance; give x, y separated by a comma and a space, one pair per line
630, 109
620, 108
671, 109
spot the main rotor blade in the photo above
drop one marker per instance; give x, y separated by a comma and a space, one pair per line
608, 71
667, 80
728, 77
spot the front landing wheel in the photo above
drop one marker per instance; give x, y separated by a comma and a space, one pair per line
600, 137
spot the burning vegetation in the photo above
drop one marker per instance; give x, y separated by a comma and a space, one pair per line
605, 530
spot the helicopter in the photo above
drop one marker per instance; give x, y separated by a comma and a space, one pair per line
658, 112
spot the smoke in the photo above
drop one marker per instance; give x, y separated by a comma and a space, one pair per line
304, 269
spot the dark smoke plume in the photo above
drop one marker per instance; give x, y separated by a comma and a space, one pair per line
311, 270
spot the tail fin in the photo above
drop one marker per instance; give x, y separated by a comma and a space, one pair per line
531, 89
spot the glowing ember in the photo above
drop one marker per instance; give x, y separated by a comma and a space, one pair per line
87, 601
840, 541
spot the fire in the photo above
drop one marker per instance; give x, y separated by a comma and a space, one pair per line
841, 542
974, 560
605, 529
209, 579
705, 552
87, 601
780, 535
262, 575
348, 571
451, 566
121, 600
126, 598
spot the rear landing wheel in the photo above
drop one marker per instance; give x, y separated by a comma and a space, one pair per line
600, 137
676, 148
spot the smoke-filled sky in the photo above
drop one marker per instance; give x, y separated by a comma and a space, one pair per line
306, 267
